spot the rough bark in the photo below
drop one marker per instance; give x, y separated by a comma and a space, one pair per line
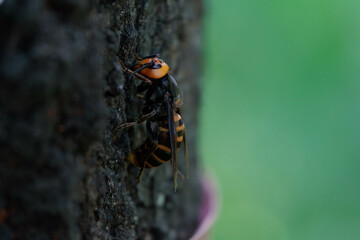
62, 95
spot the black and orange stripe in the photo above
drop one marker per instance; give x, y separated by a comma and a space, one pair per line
156, 154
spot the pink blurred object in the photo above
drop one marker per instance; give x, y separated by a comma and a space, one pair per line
209, 208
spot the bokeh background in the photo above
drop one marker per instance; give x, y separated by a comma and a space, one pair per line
280, 121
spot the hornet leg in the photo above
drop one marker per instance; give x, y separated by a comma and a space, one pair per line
155, 141
143, 118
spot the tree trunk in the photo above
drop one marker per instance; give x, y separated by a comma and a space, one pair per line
62, 96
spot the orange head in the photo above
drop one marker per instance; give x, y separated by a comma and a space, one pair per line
152, 67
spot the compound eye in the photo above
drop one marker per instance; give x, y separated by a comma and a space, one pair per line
157, 66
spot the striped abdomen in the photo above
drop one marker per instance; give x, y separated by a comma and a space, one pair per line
157, 154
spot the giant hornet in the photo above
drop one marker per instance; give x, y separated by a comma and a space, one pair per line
162, 98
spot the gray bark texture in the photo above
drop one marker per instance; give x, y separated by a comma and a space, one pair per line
62, 95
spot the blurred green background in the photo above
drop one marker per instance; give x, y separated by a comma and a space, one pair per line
280, 121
